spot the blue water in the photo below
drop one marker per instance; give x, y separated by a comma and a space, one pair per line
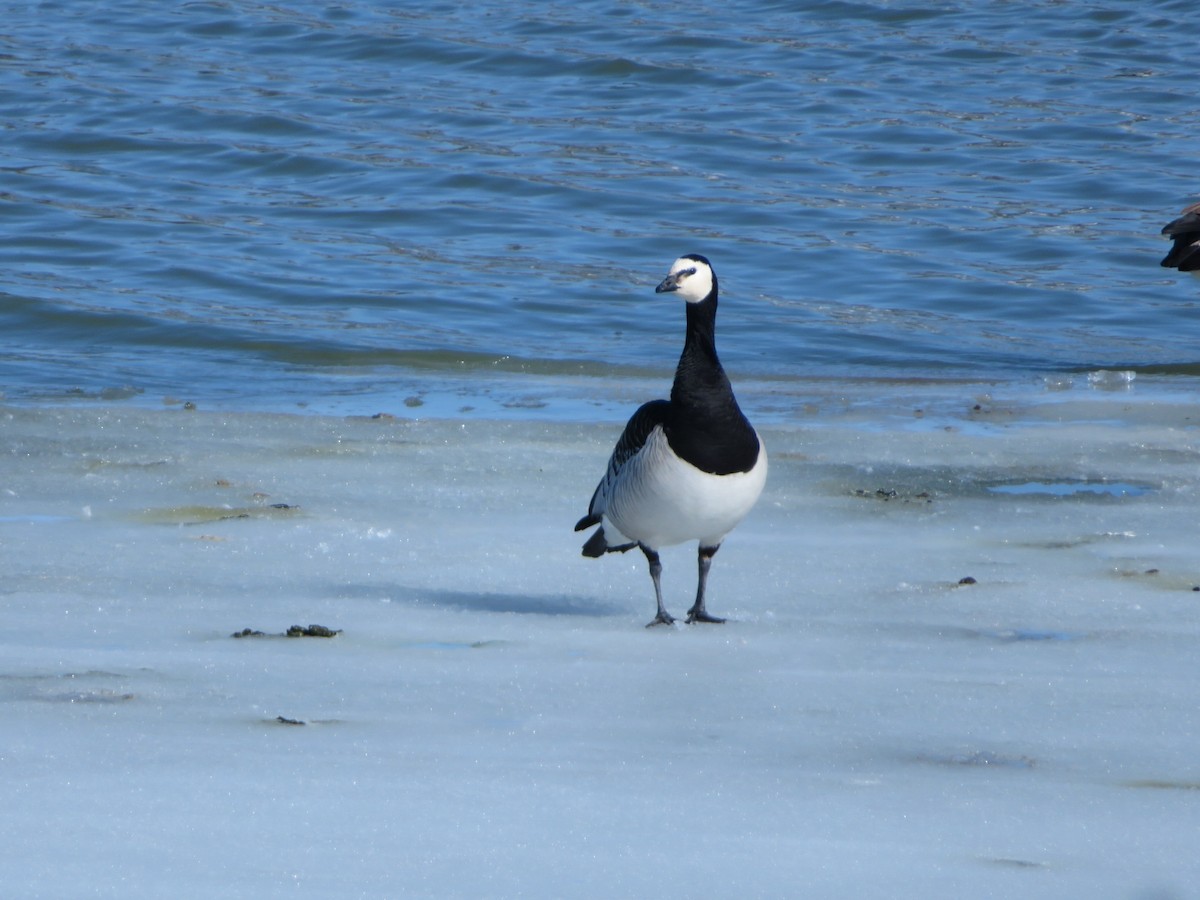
362, 206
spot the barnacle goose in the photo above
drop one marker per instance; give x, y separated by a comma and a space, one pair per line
684, 469
1185, 232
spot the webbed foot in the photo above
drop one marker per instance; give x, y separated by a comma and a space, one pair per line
699, 615
663, 618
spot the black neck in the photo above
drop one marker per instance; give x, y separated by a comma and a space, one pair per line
700, 382
706, 427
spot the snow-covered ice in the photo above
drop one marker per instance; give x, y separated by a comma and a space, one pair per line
493, 719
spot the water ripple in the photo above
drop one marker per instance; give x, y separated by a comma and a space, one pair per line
885, 189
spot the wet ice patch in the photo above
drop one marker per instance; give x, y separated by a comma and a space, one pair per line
196, 514
1118, 489
35, 519
453, 645
1156, 784
1014, 635
69, 688
1018, 635
978, 759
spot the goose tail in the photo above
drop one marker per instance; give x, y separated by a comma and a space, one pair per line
597, 545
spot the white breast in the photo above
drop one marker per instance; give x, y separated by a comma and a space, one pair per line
660, 500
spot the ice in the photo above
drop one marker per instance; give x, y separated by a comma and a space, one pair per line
928, 687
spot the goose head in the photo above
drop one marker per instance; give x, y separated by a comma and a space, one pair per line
691, 277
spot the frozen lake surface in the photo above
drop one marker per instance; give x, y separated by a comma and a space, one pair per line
493, 719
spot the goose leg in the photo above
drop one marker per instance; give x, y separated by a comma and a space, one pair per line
698, 613
663, 617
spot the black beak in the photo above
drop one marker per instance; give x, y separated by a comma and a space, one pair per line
670, 283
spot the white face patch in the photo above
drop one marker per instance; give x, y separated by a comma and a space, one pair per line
693, 287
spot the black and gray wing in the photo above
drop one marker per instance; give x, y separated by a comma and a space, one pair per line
637, 431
